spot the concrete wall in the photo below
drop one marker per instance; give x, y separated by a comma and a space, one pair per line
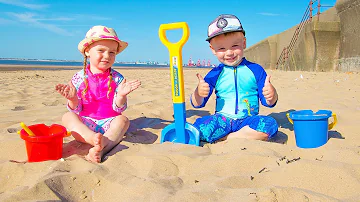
329, 43
317, 48
304, 51
261, 53
349, 13
267, 51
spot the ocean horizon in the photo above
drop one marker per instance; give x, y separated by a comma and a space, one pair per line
68, 63
76, 64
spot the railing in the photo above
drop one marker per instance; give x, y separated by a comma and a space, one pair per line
307, 17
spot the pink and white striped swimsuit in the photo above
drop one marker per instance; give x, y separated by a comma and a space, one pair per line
97, 106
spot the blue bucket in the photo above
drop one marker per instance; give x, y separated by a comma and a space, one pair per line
311, 129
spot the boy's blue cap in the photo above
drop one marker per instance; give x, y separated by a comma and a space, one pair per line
223, 24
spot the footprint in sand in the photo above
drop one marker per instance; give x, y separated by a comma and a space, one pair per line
163, 167
237, 182
165, 173
54, 103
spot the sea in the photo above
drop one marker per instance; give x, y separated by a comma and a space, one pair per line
71, 65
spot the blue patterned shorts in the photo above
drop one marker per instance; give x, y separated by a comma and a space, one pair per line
98, 126
217, 126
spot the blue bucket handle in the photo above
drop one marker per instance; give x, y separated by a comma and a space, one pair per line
331, 125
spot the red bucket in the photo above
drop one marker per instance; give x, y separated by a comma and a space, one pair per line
46, 144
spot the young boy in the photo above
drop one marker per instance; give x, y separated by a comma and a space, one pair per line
238, 84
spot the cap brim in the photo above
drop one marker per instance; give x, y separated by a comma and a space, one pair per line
89, 41
223, 32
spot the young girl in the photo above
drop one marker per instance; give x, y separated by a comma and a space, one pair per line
97, 94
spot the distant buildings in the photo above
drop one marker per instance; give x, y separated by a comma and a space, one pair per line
191, 63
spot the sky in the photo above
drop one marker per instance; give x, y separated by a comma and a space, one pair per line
48, 29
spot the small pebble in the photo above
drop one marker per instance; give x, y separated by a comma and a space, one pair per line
12, 130
18, 108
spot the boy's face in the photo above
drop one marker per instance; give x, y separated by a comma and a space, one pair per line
229, 48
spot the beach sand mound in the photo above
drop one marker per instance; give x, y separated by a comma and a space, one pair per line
142, 169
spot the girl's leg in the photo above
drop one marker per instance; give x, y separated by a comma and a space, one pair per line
118, 127
112, 137
78, 129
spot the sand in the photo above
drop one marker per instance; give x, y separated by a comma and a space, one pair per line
142, 169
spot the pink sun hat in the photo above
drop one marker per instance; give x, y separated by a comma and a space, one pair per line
98, 33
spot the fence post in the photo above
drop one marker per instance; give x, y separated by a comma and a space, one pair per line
284, 55
318, 11
311, 10
283, 59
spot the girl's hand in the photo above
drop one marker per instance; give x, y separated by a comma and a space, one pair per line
125, 87
67, 91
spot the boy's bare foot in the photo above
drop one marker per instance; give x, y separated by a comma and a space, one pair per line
221, 139
95, 153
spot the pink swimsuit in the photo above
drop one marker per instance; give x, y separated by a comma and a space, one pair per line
97, 109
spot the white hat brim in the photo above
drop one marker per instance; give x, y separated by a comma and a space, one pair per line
88, 41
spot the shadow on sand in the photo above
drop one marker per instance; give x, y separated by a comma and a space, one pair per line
137, 133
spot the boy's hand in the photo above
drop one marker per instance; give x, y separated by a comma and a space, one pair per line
67, 91
269, 91
125, 87
203, 88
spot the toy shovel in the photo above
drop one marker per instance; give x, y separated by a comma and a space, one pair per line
180, 131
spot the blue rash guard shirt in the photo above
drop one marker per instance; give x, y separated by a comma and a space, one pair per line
238, 89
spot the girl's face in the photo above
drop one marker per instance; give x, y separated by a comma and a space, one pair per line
102, 55
229, 48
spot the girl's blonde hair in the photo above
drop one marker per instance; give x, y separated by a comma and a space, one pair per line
83, 93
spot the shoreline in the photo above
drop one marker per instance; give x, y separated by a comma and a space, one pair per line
36, 67
7, 67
